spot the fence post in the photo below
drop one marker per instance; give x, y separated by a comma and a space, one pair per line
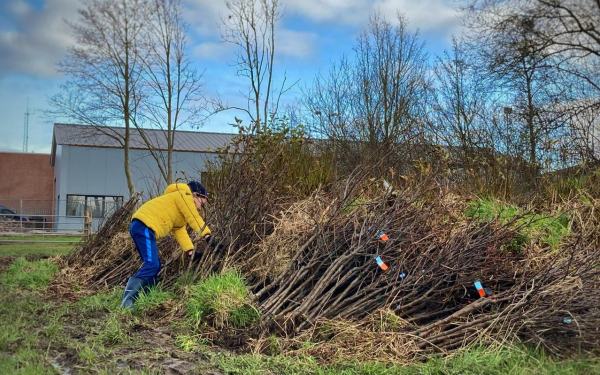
87, 223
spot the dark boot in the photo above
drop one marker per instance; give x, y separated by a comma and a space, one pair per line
151, 284
132, 289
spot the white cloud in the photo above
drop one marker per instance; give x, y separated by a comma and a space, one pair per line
341, 11
19, 8
214, 51
295, 44
40, 39
427, 15
204, 16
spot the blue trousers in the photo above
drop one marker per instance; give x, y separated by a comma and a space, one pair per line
145, 243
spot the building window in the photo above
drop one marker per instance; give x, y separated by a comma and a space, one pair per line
75, 205
100, 205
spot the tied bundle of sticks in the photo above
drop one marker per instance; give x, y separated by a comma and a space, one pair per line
344, 268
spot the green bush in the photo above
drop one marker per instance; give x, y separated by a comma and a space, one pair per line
282, 158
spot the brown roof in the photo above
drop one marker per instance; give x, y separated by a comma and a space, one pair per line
108, 136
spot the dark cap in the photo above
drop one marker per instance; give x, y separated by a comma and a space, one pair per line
197, 187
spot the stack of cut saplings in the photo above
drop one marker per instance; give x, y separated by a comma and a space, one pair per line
354, 249
427, 274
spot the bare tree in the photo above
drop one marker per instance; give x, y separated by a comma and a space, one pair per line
572, 30
374, 100
582, 144
250, 25
391, 77
173, 84
523, 71
459, 101
555, 38
104, 70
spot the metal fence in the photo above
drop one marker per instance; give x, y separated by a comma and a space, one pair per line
28, 207
46, 218
48, 224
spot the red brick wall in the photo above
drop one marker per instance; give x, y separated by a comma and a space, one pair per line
27, 176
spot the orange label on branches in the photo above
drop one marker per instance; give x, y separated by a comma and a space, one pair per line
480, 289
380, 263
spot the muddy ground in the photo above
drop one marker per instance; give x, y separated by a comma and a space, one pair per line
155, 349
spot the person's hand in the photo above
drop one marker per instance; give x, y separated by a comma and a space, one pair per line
213, 243
194, 255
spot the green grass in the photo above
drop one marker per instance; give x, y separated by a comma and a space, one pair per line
21, 311
154, 297
189, 343
547, 228
39, 237
25, 361
33, 326
101, 339
112, 331
52, 245
224, 299
101, 302
515, 361
25, 274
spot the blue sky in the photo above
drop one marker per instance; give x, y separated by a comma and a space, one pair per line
313, 33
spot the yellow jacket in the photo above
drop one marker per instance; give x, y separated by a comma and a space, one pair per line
170, 212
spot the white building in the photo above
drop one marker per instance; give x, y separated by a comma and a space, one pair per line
89, 168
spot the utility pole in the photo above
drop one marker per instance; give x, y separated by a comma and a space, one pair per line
26, 128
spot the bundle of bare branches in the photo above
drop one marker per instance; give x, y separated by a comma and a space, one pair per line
356, 247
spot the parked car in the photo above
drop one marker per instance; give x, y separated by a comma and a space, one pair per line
8, 214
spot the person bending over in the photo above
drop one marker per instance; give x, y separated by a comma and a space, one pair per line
170, 212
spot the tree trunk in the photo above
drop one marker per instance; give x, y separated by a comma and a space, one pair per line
126, 159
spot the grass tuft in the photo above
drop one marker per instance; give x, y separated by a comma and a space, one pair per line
152, 298
546, 228
114, 331
224, 299
25, 274
101, 301
189, 343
